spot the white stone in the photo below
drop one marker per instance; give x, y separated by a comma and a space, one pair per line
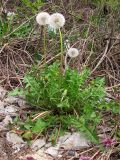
17, 142
11, 100
53, 151
7, 120
39, 143
11, 110
76, 140
14, 138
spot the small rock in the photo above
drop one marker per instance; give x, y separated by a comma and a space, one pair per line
39, 143
17, 141
71, 153
11, 110
3, 92
11, 100
75, 141
7, 120
14, 138
53, 151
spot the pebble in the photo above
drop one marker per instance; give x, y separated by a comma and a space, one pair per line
7, 120
38, 144
71, 153
14, 138
17, 142
11, 100
53, 151
75, 141
11, 110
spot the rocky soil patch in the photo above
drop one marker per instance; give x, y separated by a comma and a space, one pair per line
12, 146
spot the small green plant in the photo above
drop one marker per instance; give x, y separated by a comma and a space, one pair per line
71, 99
3, 28
6, 21
32, 7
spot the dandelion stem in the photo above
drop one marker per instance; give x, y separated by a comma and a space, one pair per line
44, 44
39, 46
61, 46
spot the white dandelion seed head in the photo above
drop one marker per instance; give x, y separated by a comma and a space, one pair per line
73, 52
42, 18
57, 20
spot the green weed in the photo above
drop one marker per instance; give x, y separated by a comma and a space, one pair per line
71, 99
